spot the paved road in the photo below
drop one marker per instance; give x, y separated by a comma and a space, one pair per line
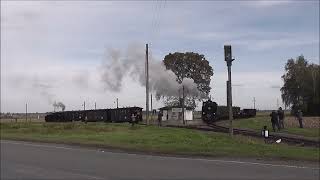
23, 160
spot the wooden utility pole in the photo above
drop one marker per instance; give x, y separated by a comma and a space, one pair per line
147, 85
151, 108
314, 79
84, 105
117, 103
183, 120
228, 59
254, 102
26, 112
95, 105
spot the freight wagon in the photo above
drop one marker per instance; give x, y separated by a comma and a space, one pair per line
99, 115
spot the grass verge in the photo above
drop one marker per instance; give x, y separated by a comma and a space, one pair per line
154, 139
258, 122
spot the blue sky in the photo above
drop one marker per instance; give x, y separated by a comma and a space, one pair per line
56, 49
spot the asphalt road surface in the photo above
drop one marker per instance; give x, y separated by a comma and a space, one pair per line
24, 160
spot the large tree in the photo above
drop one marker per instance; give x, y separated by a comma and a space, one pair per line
301, 85
190, 65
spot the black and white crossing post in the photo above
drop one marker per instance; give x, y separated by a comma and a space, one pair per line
229, 59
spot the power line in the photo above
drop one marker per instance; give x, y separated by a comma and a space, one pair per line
155, 23
157, 29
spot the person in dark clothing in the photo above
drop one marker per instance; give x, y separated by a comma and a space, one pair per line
281, 118
274, 120
133, 119
138, 117
160, 118
299, 117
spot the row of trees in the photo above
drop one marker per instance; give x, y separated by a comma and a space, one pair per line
301, 86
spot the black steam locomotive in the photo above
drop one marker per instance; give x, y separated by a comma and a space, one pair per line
211, 112
100, 115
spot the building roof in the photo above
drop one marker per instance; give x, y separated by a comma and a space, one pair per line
170, 107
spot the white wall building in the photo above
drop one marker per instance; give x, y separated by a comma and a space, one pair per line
175, 113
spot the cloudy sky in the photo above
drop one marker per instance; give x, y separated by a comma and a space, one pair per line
57, 51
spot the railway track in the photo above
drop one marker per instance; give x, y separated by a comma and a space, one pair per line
272, 137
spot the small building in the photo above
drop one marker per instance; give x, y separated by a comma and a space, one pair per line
174, 113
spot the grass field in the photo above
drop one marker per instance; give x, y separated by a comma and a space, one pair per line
311, 129
154, 139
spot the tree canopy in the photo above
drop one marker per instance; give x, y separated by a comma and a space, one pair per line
301, 85
190, 65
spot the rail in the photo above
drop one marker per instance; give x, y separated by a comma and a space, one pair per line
272, 137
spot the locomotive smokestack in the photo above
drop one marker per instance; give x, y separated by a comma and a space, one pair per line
59, 105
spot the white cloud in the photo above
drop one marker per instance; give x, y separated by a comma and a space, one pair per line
267, 3
266, 44
253, 84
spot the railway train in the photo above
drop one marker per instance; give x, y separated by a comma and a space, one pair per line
99, 115
211, 112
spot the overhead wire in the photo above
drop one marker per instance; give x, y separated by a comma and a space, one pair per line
155, 24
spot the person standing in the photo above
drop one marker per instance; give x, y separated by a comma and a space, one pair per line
160, 118
299, 117
281, 118
133, 119
274, 120
138, 117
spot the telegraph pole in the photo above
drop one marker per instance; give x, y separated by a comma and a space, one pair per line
183, 105
314, 75
254, 102
26, 112
151, 108
95, 105
117, 103
147, 85
84, 105
228, 59
151, 102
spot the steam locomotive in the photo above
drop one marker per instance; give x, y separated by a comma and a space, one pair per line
211, 112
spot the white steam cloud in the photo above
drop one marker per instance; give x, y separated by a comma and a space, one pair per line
162, 82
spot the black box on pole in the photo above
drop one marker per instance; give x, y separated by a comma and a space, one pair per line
227, 53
